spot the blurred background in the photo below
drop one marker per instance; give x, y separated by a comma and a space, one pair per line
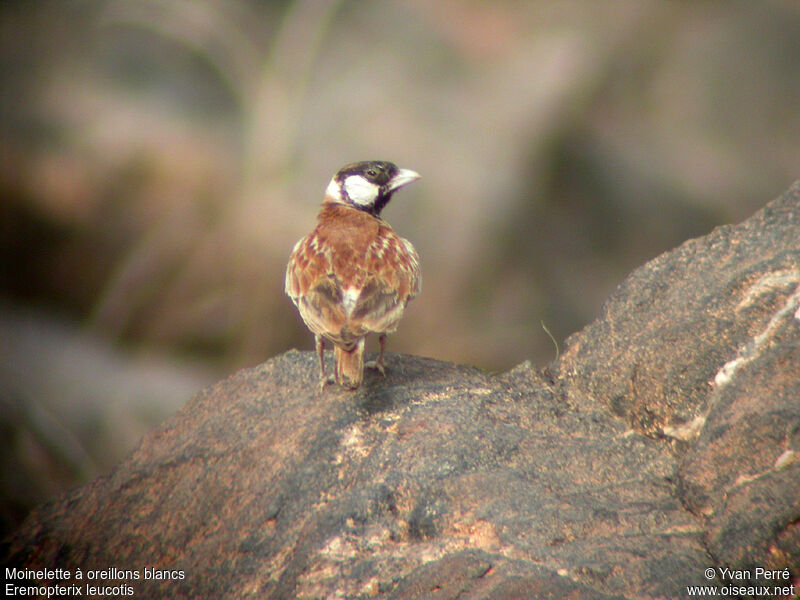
161, 157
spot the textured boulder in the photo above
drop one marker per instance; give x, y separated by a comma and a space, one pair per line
664, 442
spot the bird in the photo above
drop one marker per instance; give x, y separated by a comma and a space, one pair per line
353, 276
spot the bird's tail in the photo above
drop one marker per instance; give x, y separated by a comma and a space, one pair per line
350, 365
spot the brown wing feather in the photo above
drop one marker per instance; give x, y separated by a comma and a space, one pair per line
352, 276
395, 279
314, 292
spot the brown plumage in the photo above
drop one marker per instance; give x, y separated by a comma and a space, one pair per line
353, 275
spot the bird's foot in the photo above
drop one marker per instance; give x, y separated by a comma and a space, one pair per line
325, 381
377, 365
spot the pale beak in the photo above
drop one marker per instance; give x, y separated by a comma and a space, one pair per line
403, 178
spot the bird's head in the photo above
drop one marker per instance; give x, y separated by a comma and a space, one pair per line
368, 185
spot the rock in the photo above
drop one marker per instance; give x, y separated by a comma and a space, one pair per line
664, 442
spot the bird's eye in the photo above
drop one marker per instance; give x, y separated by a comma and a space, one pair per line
372, 172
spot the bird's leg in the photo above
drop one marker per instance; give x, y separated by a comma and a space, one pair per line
378, 364
324, 380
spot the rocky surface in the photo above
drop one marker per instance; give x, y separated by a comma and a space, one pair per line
665, 441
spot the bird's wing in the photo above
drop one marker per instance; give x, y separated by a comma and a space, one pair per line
393, 278
314, 289
348, 295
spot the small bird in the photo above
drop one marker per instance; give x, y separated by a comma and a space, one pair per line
353, 275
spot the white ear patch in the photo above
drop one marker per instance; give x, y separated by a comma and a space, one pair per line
361, 191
